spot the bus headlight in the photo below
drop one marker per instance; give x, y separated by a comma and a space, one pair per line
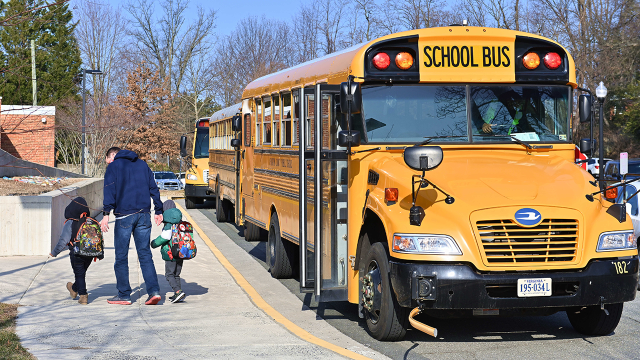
425, 244
192, 177
617, 240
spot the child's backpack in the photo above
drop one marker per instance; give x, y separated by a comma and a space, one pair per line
89, 241
182, 244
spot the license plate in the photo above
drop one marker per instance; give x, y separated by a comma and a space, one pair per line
534, 287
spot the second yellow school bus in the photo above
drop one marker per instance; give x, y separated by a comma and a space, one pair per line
432, 170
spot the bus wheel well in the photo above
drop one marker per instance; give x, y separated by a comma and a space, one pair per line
372, 225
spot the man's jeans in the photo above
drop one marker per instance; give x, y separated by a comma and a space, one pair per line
140, 226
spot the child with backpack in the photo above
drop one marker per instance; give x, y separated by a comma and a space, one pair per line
177, 245
83, 237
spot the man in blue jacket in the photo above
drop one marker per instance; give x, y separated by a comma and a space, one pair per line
129, 186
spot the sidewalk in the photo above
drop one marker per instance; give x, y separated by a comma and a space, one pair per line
217, 319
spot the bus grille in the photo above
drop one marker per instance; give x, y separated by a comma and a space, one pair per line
205, 175
552, 241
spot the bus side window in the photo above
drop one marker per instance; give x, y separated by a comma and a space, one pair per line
258, 121
286, 119
266, 121
296, 118
276, 120
247, 130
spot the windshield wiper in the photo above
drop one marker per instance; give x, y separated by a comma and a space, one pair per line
431, 138
525, 144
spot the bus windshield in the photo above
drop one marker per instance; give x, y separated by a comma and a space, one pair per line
411, 113
201, 149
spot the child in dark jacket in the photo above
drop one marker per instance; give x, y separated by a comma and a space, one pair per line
171, 215
79, 264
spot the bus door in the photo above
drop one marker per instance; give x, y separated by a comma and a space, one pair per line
323, 197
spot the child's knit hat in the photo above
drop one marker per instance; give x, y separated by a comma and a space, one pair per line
169, 204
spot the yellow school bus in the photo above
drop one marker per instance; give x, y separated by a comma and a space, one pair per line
433, 171
223, 173
196, 189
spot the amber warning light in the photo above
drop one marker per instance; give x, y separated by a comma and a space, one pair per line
391, 194
404, 60
531, 60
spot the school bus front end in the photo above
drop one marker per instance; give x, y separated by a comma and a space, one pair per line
435, 173
464, 188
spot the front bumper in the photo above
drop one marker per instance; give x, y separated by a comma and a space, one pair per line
459, 286
198, 191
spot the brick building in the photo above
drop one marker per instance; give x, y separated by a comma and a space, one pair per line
28, 132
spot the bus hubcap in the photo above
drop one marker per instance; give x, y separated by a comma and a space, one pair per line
372, 291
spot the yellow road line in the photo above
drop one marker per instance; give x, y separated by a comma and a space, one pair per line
262, 304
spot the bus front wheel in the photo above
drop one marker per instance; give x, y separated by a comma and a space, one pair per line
386, 319
592, 320
279, 251
188, 202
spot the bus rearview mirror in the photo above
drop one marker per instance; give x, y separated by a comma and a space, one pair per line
584, 106
183, 145
423, 157
235, 143
236, 124
354, 96
586, 145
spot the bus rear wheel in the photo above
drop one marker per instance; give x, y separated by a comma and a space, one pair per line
280, 252
592, 320
386, 319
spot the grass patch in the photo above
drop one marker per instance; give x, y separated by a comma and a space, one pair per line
10, 347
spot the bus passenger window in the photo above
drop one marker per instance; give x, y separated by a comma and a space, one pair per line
276, 121
286, 119
258, 121
296, 119
266, 123
247, 130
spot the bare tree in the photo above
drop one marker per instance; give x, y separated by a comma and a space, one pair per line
169, 43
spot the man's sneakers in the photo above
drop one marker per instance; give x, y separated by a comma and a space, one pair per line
72, 293
119, 301
153, 299
177, 297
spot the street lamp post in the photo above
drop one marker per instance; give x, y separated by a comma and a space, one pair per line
601, 94
84, 75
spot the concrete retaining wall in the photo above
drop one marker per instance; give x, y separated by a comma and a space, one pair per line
31, 225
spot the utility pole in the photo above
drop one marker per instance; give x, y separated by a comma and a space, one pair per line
33, 72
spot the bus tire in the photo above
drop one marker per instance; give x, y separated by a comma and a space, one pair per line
591, 320
387, 320
279, 252
188, 202
221, 210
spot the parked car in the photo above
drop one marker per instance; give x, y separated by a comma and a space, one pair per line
181, 176
612, 171
166, 180
633, 206
593, 165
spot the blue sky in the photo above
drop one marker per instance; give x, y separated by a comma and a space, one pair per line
230, 12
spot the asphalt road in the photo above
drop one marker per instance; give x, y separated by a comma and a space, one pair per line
533, 337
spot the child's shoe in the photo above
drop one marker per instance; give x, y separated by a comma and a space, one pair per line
84, 299
178, 296
72, 293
